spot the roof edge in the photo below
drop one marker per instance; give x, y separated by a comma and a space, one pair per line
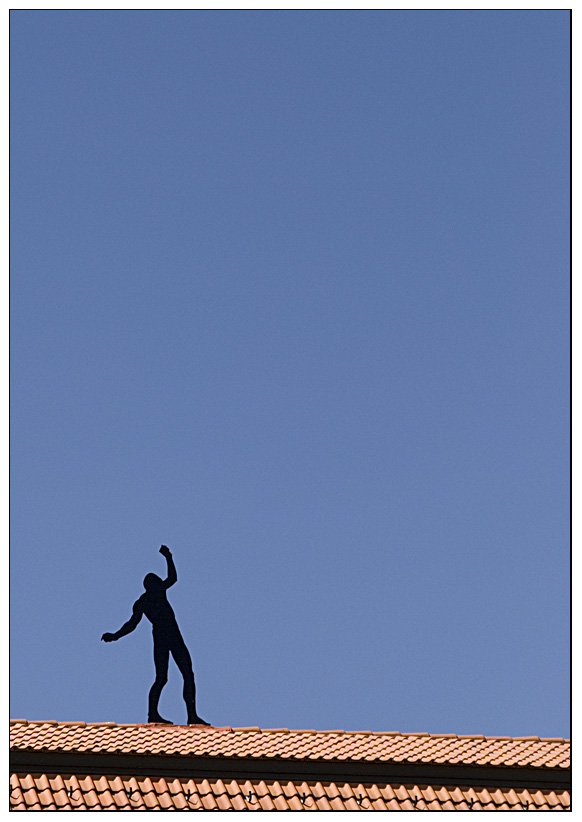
227, 767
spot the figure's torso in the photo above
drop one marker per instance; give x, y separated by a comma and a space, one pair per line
160, 613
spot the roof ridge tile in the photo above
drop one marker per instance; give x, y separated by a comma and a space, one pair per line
437, 736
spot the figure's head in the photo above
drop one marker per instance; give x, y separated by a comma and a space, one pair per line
152, 583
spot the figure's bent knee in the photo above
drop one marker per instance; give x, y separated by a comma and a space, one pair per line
161, 679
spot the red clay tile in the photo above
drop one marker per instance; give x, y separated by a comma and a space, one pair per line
209, 802
295, 744
336, 804
48, 791
267, 803
238, 803
279, 803
223, 802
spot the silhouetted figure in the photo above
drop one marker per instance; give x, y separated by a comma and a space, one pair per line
167, 640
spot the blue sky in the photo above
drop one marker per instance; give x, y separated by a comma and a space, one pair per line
290, 294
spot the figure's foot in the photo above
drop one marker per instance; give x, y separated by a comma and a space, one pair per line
156, 719
196, 720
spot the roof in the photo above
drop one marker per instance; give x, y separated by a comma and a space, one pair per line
107, 737
54, 792
104, 766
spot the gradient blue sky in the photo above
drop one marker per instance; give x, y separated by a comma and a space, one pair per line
290, 294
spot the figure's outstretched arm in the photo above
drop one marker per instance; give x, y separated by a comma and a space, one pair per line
129, 626
172, 575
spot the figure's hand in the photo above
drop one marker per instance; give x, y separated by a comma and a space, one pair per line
108, 638
165, 551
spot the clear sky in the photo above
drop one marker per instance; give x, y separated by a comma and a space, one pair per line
290, 294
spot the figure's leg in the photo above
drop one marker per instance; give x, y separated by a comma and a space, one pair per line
161, 659
183, 661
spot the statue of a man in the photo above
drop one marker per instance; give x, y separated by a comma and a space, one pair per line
167, 640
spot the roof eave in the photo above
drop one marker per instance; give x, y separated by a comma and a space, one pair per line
350, 770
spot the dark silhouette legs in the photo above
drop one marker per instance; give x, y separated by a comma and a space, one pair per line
184, 663
182, 658
161, 659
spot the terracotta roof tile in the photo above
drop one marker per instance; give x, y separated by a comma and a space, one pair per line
252, 742
51, 791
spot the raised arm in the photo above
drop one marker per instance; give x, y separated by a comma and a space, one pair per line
129, 626
172, 576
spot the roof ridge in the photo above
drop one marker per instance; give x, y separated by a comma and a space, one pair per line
257, 729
